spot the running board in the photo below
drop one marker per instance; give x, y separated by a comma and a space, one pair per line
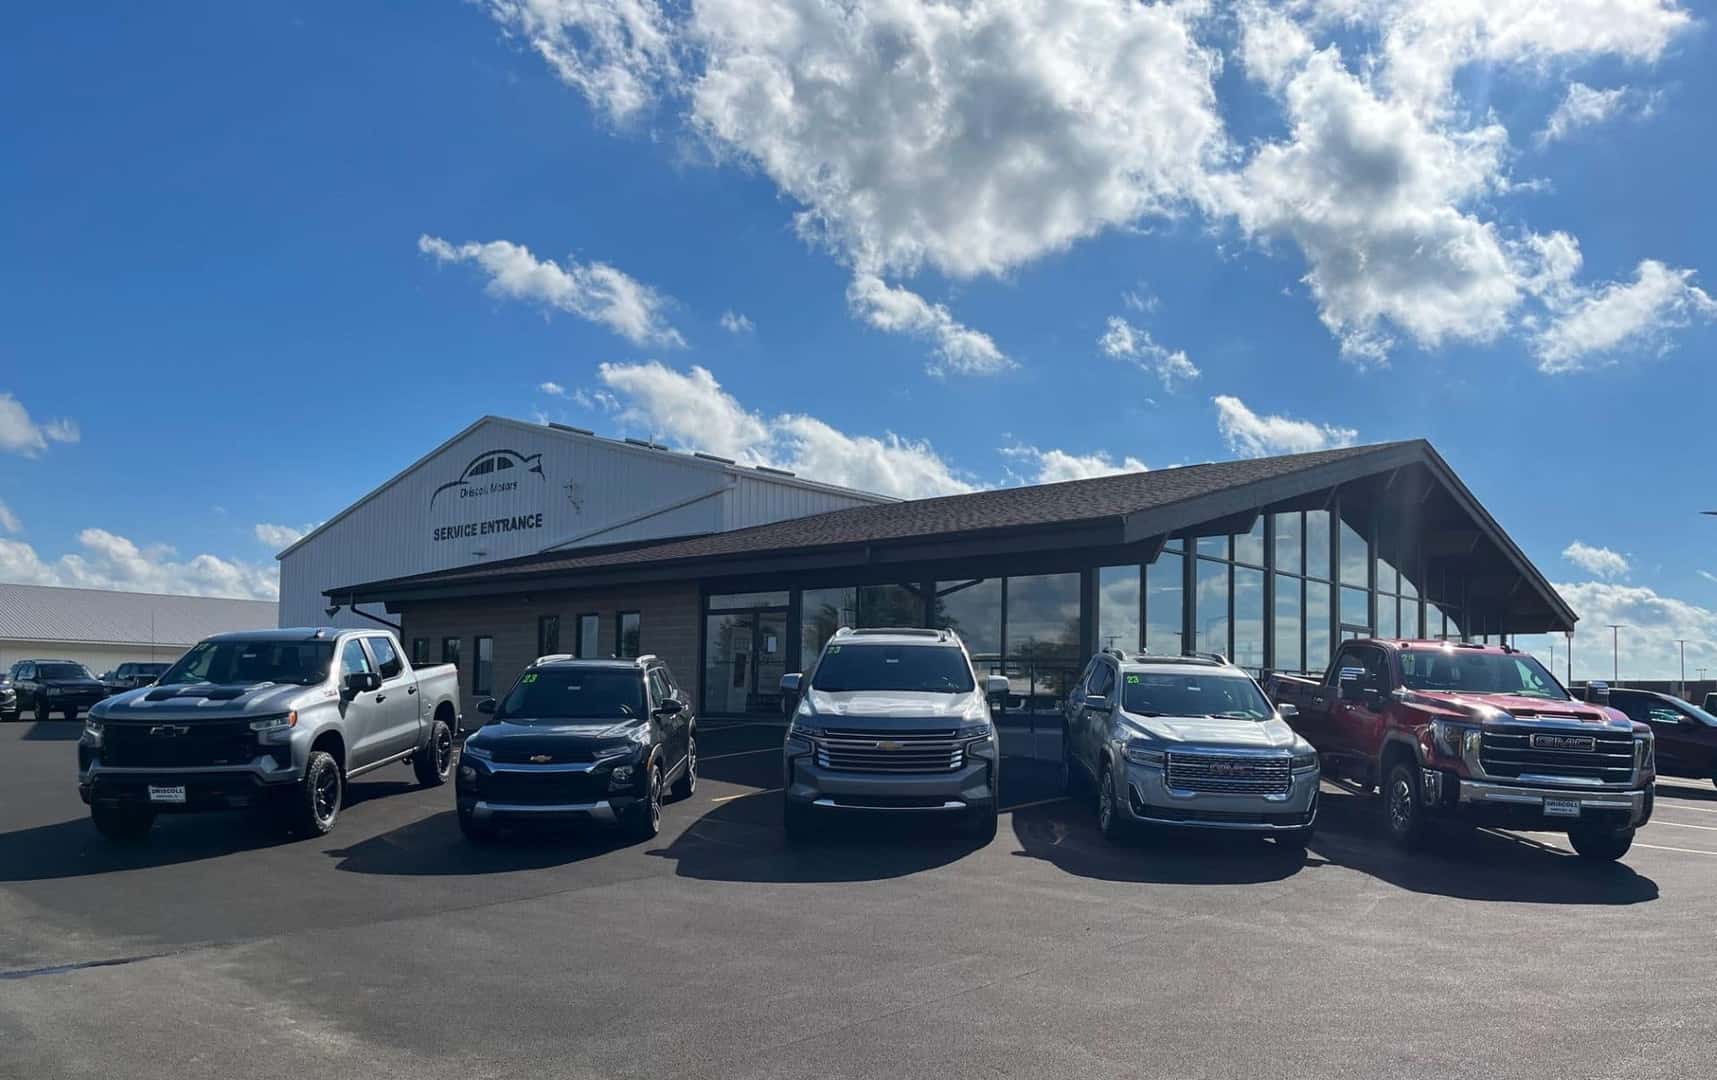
374, 765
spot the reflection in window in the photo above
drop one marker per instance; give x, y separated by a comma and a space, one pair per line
974, 610
1386, 624
1249, 547
732, 601
1317, 543
889, 605
728, 659
1355, 608
1164, 592
1289, 655
1354, 557
1386, 576
1118, 608
1249, 618
1317, 625
1211, 607
1288, 543
629, 627
589, 636
1215, 547
1042, 639
821, 613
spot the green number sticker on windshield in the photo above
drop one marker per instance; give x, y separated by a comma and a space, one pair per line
834, 649
1132, 680
532, 677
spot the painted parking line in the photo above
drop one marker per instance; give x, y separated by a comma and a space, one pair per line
1680, 825
740, 753
746, 795
1663, 804
1683, 850
708, 726
1029, 805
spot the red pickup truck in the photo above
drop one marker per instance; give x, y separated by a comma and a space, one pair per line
1477, 734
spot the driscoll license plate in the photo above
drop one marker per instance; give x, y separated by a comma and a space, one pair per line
1561, 807
175, 794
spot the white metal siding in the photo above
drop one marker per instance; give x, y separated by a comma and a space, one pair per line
591, 491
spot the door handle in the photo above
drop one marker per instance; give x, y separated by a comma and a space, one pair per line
381, 698
411, 690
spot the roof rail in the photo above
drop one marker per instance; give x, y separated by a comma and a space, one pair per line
896, 631
645, 658
1203, 659
1213, 657
552, 658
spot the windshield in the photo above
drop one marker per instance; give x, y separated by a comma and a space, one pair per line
574, 694
1461, 672
148, 669
1194, 694
62, 671
249, 662
935, 669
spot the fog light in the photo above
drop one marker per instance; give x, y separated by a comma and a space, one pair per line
467, 774
622, 774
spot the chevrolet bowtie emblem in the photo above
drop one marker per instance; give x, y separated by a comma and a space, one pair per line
888, 744
541, 759
169, 730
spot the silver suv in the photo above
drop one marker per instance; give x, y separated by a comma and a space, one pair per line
891, 721
1187, 741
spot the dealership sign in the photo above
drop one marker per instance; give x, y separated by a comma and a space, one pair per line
493, 472
515, 523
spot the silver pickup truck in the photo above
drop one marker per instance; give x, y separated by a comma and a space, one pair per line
270, 720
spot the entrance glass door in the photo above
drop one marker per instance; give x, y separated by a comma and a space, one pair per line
745, 655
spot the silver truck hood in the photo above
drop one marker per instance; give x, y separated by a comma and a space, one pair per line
890, 704
1217, 731
210, 701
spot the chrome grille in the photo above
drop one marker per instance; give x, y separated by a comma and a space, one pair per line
1510, 754
169, 745
890, 751
1229, 774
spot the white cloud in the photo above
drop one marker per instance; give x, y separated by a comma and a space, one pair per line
959, 348
1600, 561
735, 323
1054, 466
615, 52
1124, 341
280, 537
8, 520
594, 291
1708, 576
1583, 106
1597, 326
109, 561
1251, 435
691, 409
553, 389
19, 434
1652, 623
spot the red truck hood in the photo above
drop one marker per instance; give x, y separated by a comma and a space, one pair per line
1526, 708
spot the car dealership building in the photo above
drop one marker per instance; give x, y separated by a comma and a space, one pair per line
1270, 561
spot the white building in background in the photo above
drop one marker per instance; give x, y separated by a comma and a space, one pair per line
503, 488
102, 629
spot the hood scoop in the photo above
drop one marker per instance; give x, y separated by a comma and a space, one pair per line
202, 691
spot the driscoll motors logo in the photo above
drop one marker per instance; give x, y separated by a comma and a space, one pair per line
492, 472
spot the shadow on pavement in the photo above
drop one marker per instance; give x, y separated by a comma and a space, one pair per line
434, 847
54, 731
74, 849
1684, 789
1065, 834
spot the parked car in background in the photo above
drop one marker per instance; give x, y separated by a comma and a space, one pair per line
274, 720
1187, 742
1686, 734
1453, 732
1710, 704
579, 741
8, 698
132, 674
46, 687
891, 721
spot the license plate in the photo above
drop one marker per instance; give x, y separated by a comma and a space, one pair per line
174, 794
1561, 807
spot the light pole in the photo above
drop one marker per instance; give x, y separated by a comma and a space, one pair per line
1616, 651
1682, 687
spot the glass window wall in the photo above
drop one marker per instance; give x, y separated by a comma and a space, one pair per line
1249, 618
1355, 557
974, 610
1211, 607
1287, 544
1249, 547
1355, 608
1290, 627
1318, 645
1118, 608
1317, 544
1165, 591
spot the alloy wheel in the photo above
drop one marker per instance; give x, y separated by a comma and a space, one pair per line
327, 795
656, 797
1106, 800
1400, 805
443, 750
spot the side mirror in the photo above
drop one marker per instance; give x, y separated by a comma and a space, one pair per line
1097, 702
362, 682
670, 707
995, 686
1288, 711
486, 706
790, 682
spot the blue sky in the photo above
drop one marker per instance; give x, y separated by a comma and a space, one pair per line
255, 259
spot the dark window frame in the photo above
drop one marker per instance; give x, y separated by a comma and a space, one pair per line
477, 665
419, 651
620, 635
593, 619
548, 634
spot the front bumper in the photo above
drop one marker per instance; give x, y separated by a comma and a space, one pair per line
1523, 806
972, 787
221, 788
1151, 801
567, 792
601, 811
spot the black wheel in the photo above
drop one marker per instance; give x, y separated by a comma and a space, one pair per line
644, 819
796, 820
122, 825
1110, 820
434, 762
1403, 816
981, 825
316, 805
477, 832
687, 784
1599, 843
72, 713
43, 713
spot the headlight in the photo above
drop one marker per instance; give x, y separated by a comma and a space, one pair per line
799, 729
275, 723
92, 728
1143, 753
608, 753
481, 753
1307, 760
980, 729
1451, 737
1645, 755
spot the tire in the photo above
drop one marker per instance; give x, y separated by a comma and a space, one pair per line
1110, 821
43, 713
315, 806
122, 825
72, 713
434, 763
1403, 816
686, 786
476, 832
796, 820
644, 819
980, 826
1599, 844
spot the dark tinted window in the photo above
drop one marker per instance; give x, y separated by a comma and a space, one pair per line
151, 669
548, 634
1165, 694
450, 650
387, 660
627, 634
1465, 672
934, 668
483, 670
353, 659
302, 662
574, 694
62, 671
1102, 680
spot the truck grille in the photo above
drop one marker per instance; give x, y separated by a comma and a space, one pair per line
167, 745
544, 788
890, 751
1229, 774
1595, 755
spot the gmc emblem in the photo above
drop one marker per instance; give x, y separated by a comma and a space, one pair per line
1565, 742
1227, 768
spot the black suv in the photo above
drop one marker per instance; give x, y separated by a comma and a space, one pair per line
54, 686
577, 741
133, 674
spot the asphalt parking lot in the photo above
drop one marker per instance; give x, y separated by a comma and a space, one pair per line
391, 948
